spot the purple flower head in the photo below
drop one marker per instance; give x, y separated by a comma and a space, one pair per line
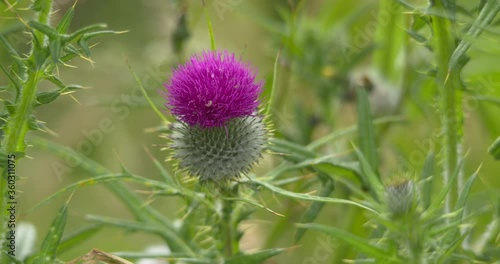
211, 89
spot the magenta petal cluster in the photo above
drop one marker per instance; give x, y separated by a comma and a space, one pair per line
211, 89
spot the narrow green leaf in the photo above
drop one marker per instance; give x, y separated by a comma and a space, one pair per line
459, 207
13, 53
85, 46
315, 207
356, 242
349, 130
52, 240
210, 29
143, 90
331, 165
34, 124
47, 97
254, 258
79, 33
365, 129
71, 88
441, 196
167, 178
74, 239
305, 158
307, 197
451, 248
83, 183
427, 180
91, 35
46, 30
369, 176
146, 214
71, 51
464, 193
270, 102
55, 49
63, 25
12, 79
417, 37
169, 235
494, 149
125, 224
485, 17
55, 80
292, 151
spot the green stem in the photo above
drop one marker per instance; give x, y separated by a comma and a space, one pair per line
449, 84
13, 142
228, 230
18, 124
227, 225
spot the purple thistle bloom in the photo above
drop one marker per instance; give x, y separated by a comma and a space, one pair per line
211, 89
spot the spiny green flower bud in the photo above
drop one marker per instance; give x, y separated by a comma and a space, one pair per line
399, 196
219, 153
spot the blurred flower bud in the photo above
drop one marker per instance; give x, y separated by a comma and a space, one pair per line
400, 196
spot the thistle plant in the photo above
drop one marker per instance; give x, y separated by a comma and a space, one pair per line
219, 134
51, 47
353, 184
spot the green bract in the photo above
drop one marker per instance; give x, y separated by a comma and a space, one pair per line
219, 153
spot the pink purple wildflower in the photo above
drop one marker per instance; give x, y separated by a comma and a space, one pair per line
211, 89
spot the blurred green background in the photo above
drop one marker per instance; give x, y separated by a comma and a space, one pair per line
320, 43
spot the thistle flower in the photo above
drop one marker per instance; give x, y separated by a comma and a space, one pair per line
400, 196
212, 89
219, 134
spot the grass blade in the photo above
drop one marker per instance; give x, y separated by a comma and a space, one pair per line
63, 25
494, 149
143, 90
307, 197
315, 207
75, 238
349, 130
145, 214
210, 29
356, 242
486, 16
270, 102
52, 240
441, 196
369, 177
254, 258
366, 130
427, 180
72, 187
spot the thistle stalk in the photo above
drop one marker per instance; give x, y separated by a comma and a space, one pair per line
448, 83
227, 227
18, 124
